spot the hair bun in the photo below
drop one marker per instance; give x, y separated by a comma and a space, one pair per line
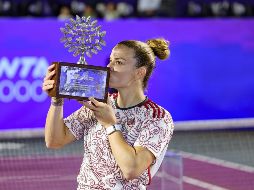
160, 47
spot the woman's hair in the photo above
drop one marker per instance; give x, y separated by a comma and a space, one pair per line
145, 53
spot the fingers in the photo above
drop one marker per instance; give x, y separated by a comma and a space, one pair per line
82, 101
50, 72
93, 105
47, 85
47, 82
90, 106
49, 75
51, 67
95, 102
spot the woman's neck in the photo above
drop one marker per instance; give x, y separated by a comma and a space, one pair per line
130, 98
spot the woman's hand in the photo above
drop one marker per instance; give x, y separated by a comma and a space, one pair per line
48, 83
104, 113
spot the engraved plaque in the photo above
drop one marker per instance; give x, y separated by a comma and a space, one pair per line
78, 81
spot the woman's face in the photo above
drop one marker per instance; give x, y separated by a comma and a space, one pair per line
122, 67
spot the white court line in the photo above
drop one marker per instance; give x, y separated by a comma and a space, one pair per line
11, 146
218, 162
47, 178
214, 124
39, 178
163, 174
202, 184
192, 181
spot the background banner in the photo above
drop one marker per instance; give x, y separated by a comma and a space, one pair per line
209, 74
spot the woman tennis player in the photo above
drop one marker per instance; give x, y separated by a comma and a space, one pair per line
126, 139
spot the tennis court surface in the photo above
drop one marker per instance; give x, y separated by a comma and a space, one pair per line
196, 160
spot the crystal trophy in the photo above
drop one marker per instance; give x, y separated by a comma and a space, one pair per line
81, 81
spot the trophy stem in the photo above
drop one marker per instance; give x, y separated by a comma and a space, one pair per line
82, 59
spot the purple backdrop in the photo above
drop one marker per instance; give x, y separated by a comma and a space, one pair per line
208, 76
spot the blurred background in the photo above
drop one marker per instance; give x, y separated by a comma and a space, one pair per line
207, 85
114, 9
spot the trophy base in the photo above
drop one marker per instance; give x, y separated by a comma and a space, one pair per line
78, 81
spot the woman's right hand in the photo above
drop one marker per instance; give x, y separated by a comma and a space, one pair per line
47, 82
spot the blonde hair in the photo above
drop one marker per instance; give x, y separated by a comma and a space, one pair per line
160, 47
145, 53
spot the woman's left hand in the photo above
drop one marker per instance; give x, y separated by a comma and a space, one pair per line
104, 113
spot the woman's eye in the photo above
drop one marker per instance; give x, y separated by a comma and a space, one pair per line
118, 62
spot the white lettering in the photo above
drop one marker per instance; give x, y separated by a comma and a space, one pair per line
22, 97
10, 69
27, 63
37, 66
37, 97
6, 85
22, 91
41, 68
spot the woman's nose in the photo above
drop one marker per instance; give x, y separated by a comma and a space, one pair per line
111, 66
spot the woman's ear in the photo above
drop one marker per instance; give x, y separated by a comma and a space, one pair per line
141, 73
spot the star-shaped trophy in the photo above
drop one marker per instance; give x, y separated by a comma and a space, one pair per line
80, 81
